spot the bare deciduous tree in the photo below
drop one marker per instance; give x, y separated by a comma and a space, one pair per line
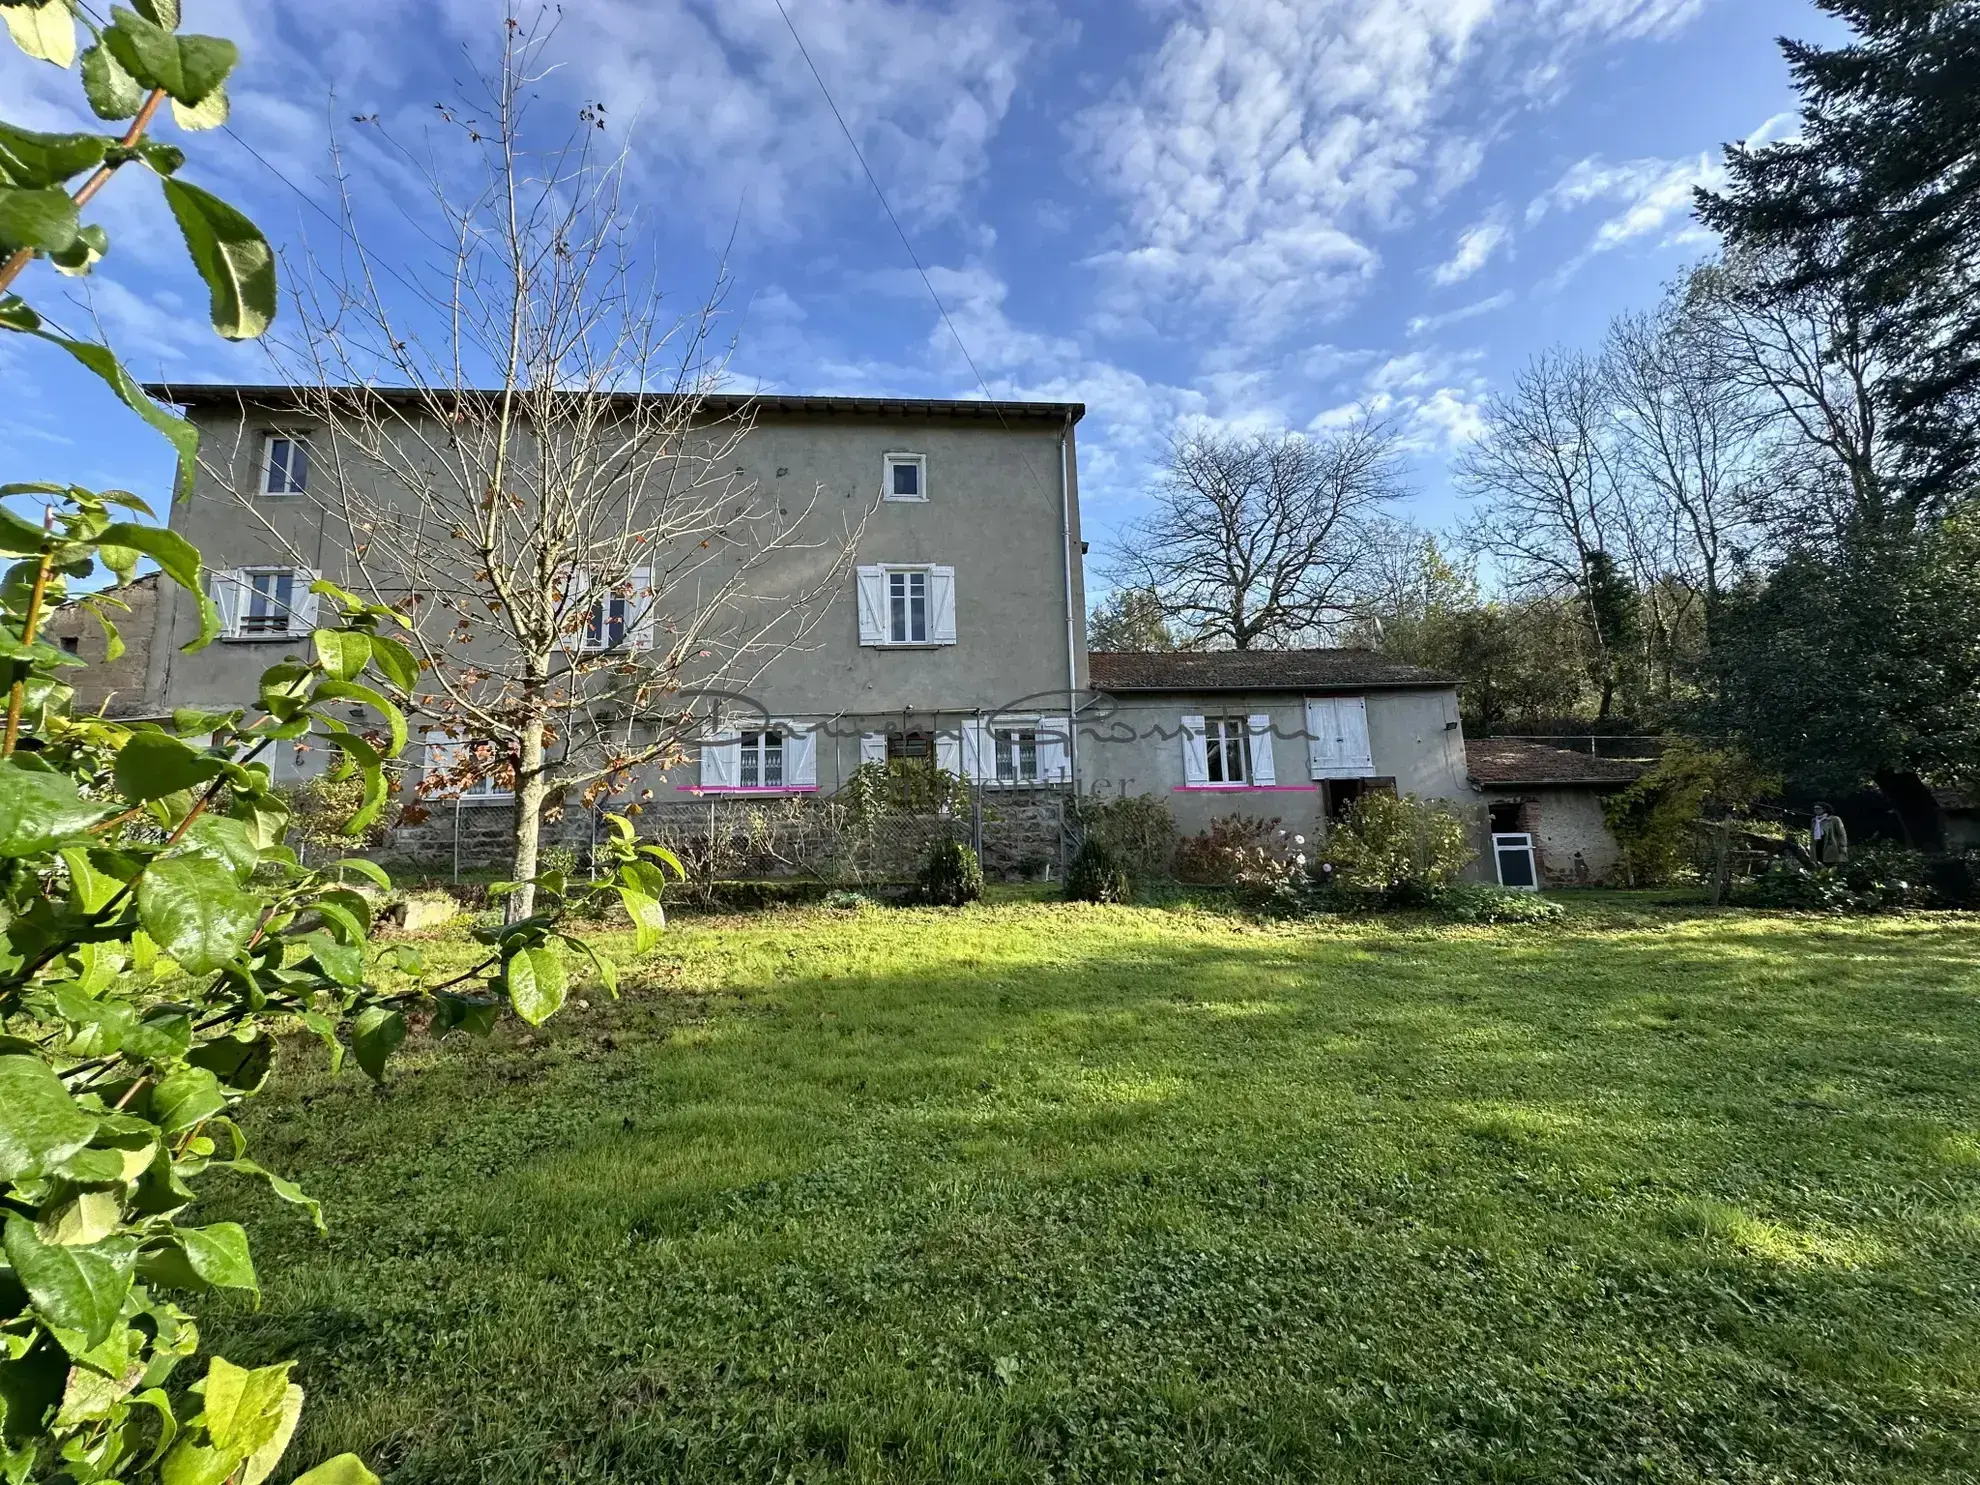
1258, 541
528, 455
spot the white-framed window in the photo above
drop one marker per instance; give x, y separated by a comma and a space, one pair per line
1226, 750
907, 605
761, 760
1016, 754
620, 615
489, 780
263, 602
284, 463
906, 477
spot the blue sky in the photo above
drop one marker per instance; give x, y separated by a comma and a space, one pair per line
1256, 212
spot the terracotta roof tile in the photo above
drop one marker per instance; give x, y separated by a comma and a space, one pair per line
1513, 760
1255, 670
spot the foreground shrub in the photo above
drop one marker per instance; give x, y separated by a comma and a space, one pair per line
1880, 878
1399, 850
1139, 829
1470, 902
952, 876
1222, 854
1097, 874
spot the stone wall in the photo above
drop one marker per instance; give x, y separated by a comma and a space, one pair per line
117, 686
1564, 821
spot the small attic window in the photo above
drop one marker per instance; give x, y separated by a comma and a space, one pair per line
906, 477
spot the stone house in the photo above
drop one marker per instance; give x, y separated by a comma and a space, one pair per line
1555, 796
122, 687
958, 634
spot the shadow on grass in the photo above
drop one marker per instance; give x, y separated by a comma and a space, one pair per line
1092, 1194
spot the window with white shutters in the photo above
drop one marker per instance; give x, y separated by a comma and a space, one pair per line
1226, 750
1337, 737
762, 760
906, 606
264, 602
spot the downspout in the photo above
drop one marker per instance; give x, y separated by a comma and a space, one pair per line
1072, 616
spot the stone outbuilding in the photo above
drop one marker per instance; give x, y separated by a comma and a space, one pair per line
1554, 795
122, 687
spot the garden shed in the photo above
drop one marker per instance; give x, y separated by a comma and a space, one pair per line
1554, 795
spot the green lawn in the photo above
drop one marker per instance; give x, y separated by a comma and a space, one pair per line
1035, 1192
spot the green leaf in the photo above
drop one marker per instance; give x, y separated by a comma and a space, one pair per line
375, 1037
181, 434
197, 914
204, 64
91, 243
17, 314
371, 871
176, 557
164, 13
287, 1190
225, 841
353, 691
112, 92
260, 1464
365, 758
32, 160
536, 983
345, 1469
649, 919
231, 255
458, 1013
209, 113
342, 962
241, 1063
38, 810
45, 32
44, 220
40, 1125
201, 1258
608, 973
151, 765
185, 1099
344, 653
78, 1288
395, 662
21, 537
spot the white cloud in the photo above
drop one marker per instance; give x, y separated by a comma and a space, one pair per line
1430, 324
1475, 249
1265, 144
1653, 194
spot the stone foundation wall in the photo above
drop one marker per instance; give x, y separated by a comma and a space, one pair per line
729, 839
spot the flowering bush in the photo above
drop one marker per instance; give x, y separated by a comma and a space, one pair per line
1399, 851
1227, 851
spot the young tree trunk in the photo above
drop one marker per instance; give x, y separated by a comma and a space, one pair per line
532, 787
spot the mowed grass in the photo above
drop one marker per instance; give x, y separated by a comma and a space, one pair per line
1040, 1192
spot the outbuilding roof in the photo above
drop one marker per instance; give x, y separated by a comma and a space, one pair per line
1256, 670
1505, 761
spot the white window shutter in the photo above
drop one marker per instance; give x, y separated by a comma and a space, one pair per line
800, 757
639, 608
979, 754
872, 748
1264, 771
226, 588
1355, 750
302, 602
872, 585
949, 752
1196, 758
1054, 750
942, 605
721, 762
1337, 728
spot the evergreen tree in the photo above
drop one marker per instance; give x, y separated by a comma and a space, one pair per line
1130, 619
1878, 200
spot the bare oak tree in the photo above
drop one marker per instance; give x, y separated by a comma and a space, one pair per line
1258, 541
527, 453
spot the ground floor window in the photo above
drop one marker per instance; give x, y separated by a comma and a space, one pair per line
1227, 749
1017, 756
762, 760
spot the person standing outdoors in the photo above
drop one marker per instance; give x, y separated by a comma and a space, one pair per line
1830, 838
